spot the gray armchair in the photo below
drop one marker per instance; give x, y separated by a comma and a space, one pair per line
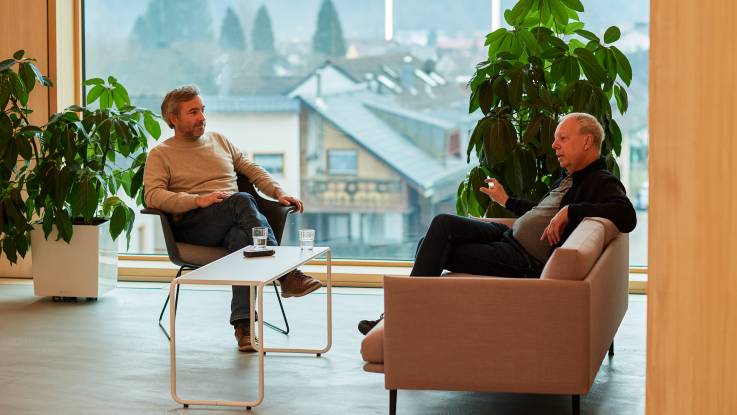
190, 257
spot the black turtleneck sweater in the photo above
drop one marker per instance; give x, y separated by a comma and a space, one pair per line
595, 192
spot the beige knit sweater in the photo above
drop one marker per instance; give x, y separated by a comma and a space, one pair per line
178, 170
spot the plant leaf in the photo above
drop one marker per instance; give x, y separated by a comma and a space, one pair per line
136, 182
48, 222
612, 34
93, 81
520, 170
63, 225
532, 130
94, 93
117, 221
120, 96
616, 137
623, 65
7, 64
485, 95
106, 99
499, 141
515, 88
9, 249
621, 96
552, 53
559, 12
588, 35
19, 88
152, 126
39, 76
27, 75
591, 68
573, 4
109, 204
571, 69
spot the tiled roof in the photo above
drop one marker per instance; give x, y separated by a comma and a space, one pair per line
350, 113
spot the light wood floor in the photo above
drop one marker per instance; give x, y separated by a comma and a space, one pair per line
109, 357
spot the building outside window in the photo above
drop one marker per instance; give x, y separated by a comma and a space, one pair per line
271, 162
342, 162
371, 117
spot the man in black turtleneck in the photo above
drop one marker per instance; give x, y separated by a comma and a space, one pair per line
473, 246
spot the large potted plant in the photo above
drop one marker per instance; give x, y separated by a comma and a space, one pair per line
66, 176
544, 66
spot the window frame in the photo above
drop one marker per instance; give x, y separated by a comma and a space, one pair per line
335, 151
80, 96
280, 155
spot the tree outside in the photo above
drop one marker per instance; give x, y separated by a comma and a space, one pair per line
262, 34
168, 22
232, 36
328, 38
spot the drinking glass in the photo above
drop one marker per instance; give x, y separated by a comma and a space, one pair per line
306, 238
260, 235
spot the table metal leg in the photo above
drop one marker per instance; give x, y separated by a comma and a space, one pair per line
172, 350
259, 346
329, 318
173, 342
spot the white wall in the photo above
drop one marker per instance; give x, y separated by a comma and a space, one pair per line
264, 133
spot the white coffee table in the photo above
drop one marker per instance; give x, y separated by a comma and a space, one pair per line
234, 269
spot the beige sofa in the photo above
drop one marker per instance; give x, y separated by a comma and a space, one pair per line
471, 333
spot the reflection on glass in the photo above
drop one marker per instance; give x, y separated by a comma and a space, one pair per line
371, 134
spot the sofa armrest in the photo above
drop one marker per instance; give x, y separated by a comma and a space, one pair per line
486, 334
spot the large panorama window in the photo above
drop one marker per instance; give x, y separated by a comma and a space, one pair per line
307, 79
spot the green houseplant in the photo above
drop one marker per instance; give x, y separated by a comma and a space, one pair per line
544, 66
68, 171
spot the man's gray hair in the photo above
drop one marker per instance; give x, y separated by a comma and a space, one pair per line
170, 104
587, 124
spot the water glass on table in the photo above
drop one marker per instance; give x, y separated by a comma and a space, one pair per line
306, 238
260, 235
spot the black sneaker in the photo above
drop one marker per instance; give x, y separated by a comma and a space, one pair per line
365, 326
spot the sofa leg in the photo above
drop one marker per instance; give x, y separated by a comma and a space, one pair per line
392, 402
611, 349
576, 404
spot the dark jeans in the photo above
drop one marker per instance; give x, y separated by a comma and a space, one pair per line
227, 224
471, 246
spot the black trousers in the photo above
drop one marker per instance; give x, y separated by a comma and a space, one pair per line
471, 246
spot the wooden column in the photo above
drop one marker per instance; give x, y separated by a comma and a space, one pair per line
24, 25
692, 288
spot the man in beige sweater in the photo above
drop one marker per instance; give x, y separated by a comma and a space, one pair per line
193, 176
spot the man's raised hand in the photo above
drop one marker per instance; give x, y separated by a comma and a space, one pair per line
496, 191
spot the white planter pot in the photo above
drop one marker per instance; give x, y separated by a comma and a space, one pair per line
85, 267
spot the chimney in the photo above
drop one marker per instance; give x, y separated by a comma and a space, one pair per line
318, 82
407, 73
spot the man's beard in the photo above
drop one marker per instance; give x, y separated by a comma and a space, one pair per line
194, 134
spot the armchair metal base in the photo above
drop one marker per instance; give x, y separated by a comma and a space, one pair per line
284, 331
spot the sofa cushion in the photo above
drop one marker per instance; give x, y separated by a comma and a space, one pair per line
372, 346
575, 258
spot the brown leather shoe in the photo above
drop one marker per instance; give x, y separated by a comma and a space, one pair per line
243, 336
297, 284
